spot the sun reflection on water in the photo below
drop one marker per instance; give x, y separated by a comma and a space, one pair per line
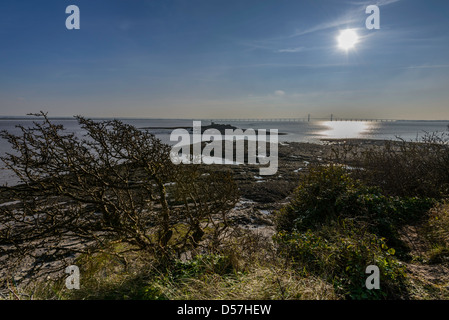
346, 129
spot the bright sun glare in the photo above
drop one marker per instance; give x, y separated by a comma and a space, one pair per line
346, 129
347, 39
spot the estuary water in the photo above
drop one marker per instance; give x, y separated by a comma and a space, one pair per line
313, 131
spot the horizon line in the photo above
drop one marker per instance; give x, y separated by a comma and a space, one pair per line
330, 118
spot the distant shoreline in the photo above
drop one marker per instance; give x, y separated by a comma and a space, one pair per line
220, 127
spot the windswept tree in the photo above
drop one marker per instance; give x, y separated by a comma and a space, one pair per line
113, 185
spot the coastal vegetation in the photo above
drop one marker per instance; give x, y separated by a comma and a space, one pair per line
139, 227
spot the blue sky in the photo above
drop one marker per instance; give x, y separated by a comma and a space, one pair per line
224, 59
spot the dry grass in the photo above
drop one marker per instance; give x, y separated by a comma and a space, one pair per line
428, 272
438, 225
260, 283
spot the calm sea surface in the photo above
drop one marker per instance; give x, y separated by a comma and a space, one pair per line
312, 131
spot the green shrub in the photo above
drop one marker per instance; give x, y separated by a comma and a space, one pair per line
315, 199
335, 226
340, 253
329, 193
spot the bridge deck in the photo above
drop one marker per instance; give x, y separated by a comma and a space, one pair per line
298, 120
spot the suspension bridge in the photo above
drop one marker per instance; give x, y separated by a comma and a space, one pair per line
305, 119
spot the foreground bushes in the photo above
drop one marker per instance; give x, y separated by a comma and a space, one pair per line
115, 184
335, 227
340, 253
329, 193
404, 168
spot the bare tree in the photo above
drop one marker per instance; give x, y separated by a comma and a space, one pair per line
115, 185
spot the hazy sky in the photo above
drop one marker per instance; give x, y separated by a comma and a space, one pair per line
224, 59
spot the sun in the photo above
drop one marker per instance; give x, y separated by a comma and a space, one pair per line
347, 39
